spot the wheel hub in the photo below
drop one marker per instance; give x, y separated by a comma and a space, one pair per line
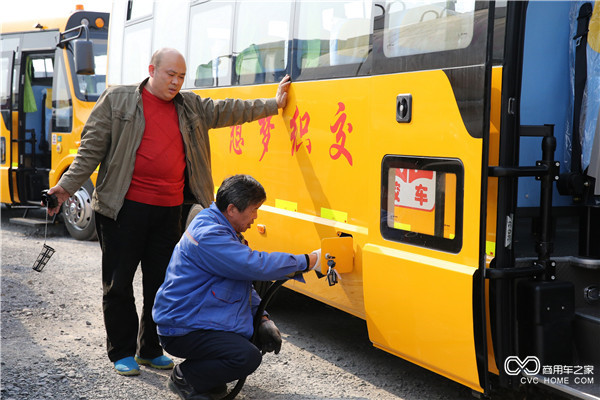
78, 209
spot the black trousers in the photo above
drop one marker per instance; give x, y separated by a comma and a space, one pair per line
141, 234
213, 358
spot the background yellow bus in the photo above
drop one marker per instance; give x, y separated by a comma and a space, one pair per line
420, 146
47, 94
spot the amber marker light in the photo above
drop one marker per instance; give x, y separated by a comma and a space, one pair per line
261, 229
99, 23
79, 7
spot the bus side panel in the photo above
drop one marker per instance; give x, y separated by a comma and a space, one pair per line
65, 144
492, 196
4, 176
12, 151
314, 188
419, 300
421, 310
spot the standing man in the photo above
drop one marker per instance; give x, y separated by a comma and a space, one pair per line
205, 308
151, 142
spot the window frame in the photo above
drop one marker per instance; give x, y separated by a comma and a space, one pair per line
331, 71
61, 78
437, 164
473, 54
271, 76
192, 81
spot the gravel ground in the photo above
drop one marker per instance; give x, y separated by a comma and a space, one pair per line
53, 343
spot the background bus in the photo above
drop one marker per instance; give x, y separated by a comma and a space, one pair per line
427, 137
47, 94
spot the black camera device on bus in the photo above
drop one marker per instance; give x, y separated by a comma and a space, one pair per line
49, 200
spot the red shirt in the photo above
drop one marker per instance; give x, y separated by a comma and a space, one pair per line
158, 175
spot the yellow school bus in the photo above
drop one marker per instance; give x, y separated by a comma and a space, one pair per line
444, 152
53, 71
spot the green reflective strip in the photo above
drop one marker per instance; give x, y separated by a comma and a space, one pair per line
286, 205
490, 248
15, 165
334, 215
399, 225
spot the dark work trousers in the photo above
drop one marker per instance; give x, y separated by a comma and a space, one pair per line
143, 234
213, 358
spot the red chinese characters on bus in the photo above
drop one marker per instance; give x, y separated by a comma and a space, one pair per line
338, 148
236, 141
265, 130
299, 131
415, 189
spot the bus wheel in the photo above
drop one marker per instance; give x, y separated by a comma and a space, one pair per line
78, 214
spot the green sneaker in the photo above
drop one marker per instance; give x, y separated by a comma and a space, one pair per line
160, 362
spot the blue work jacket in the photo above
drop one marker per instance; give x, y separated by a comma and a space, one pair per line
208, 283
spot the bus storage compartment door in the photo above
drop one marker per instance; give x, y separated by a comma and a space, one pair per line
342, 248
545, 314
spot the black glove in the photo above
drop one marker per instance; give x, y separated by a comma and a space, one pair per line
269, 337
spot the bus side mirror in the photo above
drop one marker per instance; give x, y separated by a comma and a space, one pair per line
84, 57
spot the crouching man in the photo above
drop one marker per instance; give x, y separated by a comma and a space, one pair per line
205, 307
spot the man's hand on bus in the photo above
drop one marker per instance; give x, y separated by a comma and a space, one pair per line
282, 91
61, 194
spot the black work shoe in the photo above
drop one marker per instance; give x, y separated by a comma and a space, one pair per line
219, 392
184, 390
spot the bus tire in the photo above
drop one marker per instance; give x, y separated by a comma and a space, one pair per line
78, 215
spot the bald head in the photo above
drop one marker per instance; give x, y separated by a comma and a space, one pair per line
167, 73
160, 53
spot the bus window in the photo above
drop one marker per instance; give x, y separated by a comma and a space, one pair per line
209, 61
5, 75
136, 51
333, 38
138, 9
261, 48
426, 27
42, 68
62, 108
422, 202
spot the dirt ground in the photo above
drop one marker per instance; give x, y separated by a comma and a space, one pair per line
53, 342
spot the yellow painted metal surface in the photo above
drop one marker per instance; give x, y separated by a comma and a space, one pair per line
64, 146
418, 302
434, 328
64, 149
494, 146
10, 148
341, 250
420, 309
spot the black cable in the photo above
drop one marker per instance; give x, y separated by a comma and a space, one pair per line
257, 321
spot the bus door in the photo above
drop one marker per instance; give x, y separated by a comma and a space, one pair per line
6, 154
34, 130
430, 117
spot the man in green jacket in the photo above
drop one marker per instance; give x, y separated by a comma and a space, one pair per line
151, 142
